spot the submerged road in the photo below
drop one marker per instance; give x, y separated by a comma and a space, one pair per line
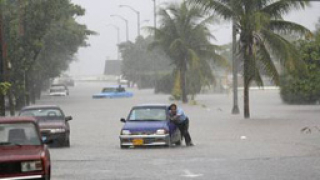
269, 146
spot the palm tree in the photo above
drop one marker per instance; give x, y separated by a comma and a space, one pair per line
261, 25
185, 37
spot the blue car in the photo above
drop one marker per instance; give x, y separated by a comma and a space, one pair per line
149, 125
113, 92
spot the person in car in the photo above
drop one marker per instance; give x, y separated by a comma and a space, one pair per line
178, 117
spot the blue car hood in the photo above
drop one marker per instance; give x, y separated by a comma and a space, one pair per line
105, 94
135, 126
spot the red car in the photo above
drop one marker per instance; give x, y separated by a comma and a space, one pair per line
23, 155
54, 125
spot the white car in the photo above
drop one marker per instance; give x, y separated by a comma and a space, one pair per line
59, 90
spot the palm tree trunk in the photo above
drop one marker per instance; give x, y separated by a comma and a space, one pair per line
183, 83
235, 109
246, 98
248, 58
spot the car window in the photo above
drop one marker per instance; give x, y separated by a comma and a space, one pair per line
148, 114
54, 113
19, 133
121, 89
109, 89
58, 88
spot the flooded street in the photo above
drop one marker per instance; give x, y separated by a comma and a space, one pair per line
198, 52
270, 145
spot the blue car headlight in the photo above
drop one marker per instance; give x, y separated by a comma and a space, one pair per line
125, 132
161, 132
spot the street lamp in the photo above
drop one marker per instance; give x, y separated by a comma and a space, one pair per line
138, 16
155, 27
155, 13
118, 35
126, 21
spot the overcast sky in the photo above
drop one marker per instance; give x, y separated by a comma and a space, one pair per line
90, 60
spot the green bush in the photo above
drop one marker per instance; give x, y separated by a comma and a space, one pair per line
146, 81
164, 84
301, 88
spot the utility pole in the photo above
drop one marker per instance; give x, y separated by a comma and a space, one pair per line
155, 27
155, 13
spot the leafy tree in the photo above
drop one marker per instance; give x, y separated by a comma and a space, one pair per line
140, 64
303, 87
185, 37
260, 25
43, 38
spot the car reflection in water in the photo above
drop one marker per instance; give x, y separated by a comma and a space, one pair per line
149, 125
22, 153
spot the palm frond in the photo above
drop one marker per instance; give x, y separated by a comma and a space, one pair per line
193, 56
283, 49
219, 7
267, 64
287, 27
177, 46
282, 7
257, 77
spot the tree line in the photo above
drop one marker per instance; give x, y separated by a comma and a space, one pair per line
38, 41
262, 42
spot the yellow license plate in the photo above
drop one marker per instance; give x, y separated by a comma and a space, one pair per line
137, 142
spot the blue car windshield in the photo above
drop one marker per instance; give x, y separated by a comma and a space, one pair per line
148, 114
108, 90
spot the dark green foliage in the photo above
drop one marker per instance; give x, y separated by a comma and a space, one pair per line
164, 84
146, 81
142, 65
261, 26
303, 87
43, 36
184, 35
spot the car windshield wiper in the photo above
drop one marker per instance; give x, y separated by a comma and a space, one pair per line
9, 143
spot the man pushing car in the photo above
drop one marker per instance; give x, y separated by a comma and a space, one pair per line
178, 117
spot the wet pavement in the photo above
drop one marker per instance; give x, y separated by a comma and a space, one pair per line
268, 146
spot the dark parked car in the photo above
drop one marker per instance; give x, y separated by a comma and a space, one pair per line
54, 125
149, 125
22, 153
